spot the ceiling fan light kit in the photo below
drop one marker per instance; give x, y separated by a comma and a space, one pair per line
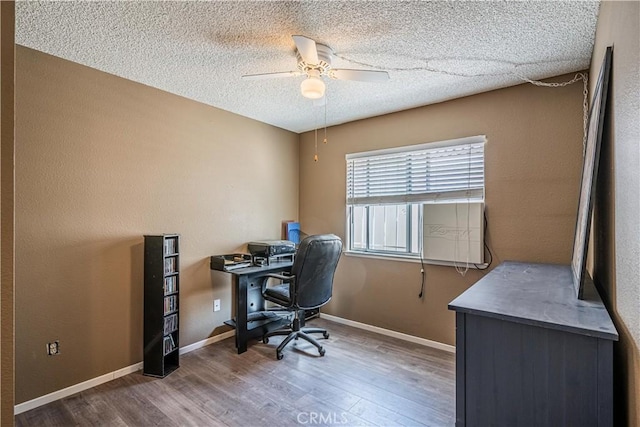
312, 87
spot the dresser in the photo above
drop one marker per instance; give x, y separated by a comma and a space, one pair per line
529, 353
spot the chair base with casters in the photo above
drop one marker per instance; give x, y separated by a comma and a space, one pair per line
307, 287
295, 332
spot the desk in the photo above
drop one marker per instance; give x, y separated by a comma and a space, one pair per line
252, 321
528, 352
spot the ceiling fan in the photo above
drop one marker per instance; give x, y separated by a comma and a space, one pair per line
314, 62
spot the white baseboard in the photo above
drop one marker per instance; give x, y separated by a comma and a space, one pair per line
390, 333
65, 392
208, 341
77, 388
56, 395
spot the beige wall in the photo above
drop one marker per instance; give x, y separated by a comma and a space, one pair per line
93, 153
101, 161
532, 163
616, 219
7, 150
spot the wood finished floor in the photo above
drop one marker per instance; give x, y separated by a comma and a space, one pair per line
364, 379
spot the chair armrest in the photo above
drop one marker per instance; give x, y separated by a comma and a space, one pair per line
280, 276
285, 279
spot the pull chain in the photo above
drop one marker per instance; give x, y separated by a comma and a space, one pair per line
325, 121
315, 156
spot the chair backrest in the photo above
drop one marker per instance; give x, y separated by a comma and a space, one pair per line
314, 266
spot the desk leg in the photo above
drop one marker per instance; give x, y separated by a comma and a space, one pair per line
241, 313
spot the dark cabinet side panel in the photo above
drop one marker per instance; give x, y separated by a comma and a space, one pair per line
520, 375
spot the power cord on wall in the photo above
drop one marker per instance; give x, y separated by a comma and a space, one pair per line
424, 276
423, 272
486, 225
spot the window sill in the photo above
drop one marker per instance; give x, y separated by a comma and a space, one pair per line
414, 260
384, 257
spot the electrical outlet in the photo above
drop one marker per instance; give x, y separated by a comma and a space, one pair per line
216, 305
53, 348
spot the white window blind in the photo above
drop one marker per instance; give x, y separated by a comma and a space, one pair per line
437, 172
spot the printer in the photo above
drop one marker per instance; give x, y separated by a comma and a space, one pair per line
266, 251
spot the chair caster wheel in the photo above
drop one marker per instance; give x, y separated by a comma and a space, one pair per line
279, 356
321, 351
325, 335
265, 340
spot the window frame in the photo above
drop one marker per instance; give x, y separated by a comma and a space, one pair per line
388, 253
455, 194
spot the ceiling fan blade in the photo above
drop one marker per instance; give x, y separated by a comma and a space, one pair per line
307, 49
360, 75
271, 75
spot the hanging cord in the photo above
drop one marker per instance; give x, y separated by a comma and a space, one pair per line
325, 120
461, 271
315, 156
585, 97
514, 71
423, 273
427, 67
317, 119
486, 247
467, 231
324, 141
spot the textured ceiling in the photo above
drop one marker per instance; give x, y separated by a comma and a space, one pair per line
433, 51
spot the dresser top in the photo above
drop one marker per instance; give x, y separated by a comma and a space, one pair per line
539, 295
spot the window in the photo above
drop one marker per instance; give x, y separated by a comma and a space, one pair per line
387, 188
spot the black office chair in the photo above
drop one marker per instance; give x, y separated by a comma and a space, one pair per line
308, 286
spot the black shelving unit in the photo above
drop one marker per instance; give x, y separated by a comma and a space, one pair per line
161, 304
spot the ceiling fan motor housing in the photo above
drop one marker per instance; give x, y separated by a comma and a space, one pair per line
324, 61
